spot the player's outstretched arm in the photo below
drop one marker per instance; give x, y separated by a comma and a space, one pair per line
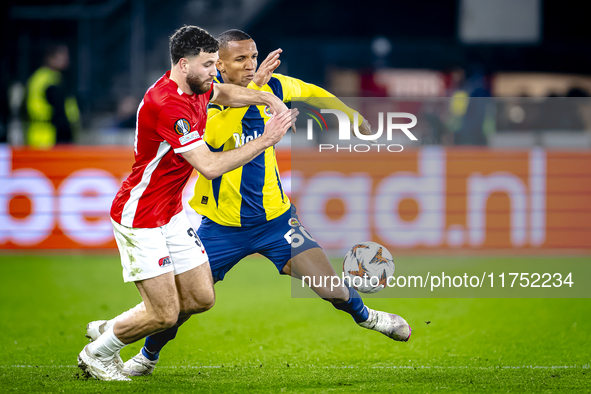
318, 93
230, 95
320, 98
213, 164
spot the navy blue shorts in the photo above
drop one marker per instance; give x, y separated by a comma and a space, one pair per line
278, 240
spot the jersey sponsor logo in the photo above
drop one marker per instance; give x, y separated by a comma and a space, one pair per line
204, 199
165, 261
241, 139
182, 126
189, 137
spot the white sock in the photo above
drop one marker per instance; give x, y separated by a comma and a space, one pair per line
106, 345
110, 324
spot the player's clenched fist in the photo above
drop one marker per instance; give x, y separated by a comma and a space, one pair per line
277, 126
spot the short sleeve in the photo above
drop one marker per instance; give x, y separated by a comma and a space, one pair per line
222, 124
174, 125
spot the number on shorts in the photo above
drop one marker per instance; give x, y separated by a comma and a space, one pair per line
307, 234
296, 240
193, 234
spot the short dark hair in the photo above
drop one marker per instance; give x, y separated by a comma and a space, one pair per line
190, 41
232, 35
52, 48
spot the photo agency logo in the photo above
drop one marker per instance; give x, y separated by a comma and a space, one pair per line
344, 130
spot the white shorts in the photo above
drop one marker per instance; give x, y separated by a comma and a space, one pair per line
150, 252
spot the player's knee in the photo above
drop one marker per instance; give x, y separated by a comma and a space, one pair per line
165, 320
168, 321
207, 301
204, 303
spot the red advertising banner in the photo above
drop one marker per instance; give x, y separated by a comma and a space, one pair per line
61, 198
470, 198
431, 198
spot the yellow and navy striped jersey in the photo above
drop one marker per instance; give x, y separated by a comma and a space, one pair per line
251, 194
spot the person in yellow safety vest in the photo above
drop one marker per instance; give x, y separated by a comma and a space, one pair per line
53, 117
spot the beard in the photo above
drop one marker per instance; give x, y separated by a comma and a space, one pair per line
197, 85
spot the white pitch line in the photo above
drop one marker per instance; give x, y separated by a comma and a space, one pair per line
584, 366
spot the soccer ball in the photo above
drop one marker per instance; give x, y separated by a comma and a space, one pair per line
367, 266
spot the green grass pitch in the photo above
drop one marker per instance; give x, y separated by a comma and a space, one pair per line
258, 338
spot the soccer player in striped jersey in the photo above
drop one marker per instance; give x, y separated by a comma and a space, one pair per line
160, 252
246, 211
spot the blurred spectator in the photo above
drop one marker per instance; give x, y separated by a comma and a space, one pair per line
4, 113
126, 113
455, 80
576, 92
562, 113
476, 120
124, 119
458, 104
52, 115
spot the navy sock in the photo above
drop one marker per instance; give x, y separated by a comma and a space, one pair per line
155, 343
354, 306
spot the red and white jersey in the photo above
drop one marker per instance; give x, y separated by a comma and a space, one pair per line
169, 122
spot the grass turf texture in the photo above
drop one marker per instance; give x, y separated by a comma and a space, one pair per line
258, 338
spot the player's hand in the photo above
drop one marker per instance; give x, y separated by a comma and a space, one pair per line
293, 122
265, 71
365, 129
277, 126
275, 104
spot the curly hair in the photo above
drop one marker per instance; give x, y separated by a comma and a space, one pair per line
190, 41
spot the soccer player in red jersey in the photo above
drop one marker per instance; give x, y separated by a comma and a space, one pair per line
160, 252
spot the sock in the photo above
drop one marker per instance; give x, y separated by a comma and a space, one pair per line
106, 345
155, 343
354, 306
109, 324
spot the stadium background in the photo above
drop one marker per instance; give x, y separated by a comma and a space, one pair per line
531, 153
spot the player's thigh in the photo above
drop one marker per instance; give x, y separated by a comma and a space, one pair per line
284, 238
144, 253
225, 247
195, 290
186, 250
189, 259
160, 298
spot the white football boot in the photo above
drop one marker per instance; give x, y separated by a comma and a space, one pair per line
94, 329
100, 368
389, 324
139, 365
